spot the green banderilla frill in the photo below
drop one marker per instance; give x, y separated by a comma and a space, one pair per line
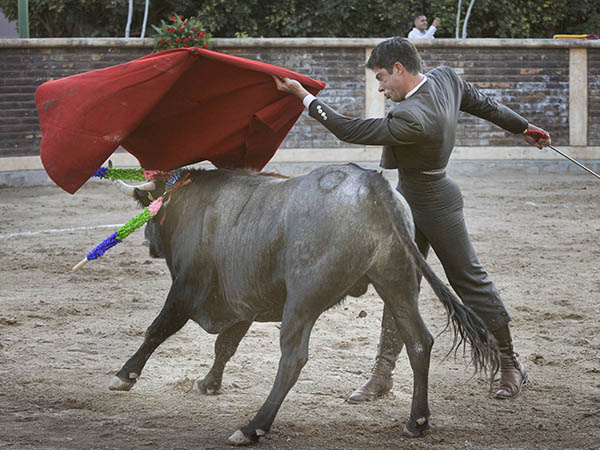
116, 238
120, 174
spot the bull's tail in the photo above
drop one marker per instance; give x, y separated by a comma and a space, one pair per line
466, 325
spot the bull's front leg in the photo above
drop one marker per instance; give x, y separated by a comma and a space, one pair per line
226, 345
293, 337
171, 319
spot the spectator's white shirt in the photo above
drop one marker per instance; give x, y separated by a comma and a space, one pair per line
417, 34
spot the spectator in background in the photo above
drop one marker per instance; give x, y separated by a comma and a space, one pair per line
420, 30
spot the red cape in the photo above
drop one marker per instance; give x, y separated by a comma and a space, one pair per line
168, 109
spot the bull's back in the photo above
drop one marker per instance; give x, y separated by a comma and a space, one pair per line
261, 233
337, 224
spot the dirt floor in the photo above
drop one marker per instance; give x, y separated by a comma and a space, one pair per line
63, 335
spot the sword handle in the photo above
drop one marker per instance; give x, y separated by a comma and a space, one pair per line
537, 134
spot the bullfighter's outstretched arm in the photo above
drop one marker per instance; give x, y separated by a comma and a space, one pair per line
400, 129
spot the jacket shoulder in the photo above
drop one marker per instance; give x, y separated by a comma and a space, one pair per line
442, 71
404, 111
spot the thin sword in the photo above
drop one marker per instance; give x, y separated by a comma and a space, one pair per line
539, 135
575, 161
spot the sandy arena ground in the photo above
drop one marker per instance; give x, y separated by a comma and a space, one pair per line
63, 335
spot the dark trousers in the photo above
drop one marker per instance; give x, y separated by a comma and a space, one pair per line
437, 206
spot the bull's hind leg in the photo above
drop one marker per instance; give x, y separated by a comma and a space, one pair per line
400, 298
225, 346
296, 325
171, 319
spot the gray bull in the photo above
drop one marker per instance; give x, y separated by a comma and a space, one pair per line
244, 248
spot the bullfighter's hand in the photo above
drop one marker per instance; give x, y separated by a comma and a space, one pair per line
539, 142
436, 22
290, 86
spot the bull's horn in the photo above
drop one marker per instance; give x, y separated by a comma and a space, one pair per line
148, 187
125, 188
128, 189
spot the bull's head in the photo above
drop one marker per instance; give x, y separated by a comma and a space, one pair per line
145, 194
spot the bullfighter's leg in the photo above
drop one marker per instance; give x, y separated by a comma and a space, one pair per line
296, 325
226, 345
401, 297
451, 243
380, 381
171, 319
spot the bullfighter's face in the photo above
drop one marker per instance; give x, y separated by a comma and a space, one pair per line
392, 85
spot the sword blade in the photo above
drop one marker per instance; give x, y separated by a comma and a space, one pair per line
575, 161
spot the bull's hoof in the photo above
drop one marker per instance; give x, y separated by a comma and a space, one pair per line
418, 428
117, 384
238, 438
206, 388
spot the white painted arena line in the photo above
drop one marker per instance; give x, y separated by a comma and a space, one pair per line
64, 230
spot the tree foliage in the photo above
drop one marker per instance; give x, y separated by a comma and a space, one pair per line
524, 18
93, 18
380, 18
315, 18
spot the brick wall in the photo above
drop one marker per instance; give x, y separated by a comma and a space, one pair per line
534, 82
23, 69
343, 69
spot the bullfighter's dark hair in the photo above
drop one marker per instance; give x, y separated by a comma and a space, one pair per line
397, 49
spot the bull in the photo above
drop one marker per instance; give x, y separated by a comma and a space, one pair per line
242, 247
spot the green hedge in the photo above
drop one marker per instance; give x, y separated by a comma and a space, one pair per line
312, 18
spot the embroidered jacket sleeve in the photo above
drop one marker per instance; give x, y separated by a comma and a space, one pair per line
398, 128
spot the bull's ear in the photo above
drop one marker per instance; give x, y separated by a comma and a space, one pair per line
146, 197
141, 197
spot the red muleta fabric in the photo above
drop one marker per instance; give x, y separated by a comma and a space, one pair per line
168, 109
